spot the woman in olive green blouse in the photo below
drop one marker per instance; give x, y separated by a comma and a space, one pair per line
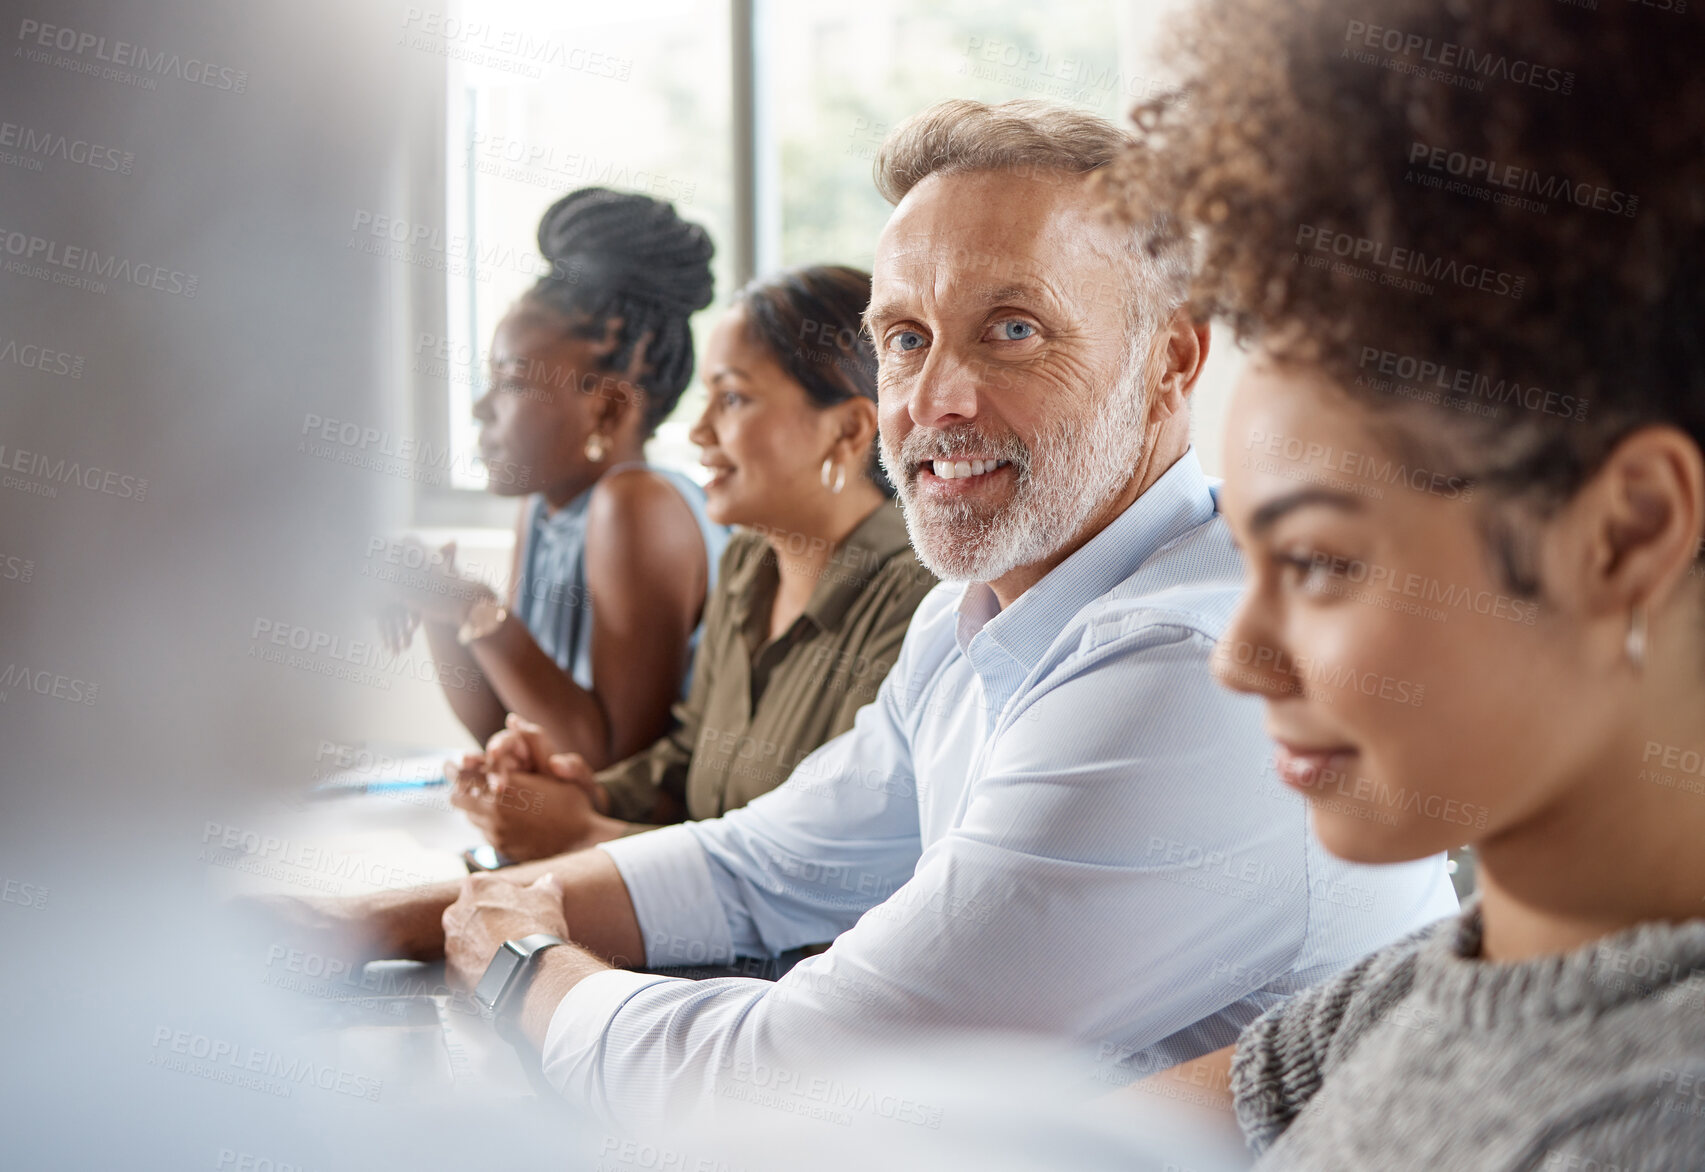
812, 601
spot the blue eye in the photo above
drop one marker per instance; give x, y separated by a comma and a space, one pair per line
1009, 331
906, 340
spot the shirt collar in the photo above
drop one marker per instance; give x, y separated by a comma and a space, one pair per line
740, 584
848, 574
1173, 505
855, 562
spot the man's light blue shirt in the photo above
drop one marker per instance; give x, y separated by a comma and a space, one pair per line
1051, 820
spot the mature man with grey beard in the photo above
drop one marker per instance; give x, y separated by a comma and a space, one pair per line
1050, 821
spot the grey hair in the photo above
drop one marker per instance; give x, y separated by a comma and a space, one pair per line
1031, 137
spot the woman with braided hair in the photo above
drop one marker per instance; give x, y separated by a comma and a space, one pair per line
812, 603
613, 558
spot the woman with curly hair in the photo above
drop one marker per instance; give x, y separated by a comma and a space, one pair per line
1467, 467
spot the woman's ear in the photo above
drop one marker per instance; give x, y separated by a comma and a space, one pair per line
857, 424
617, 402
620, 398
1640, 518
603, 345
607, 344
637, 365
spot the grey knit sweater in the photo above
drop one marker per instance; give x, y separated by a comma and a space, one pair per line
1424, 1057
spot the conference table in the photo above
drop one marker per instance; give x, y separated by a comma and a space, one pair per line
399, 1024
356, 834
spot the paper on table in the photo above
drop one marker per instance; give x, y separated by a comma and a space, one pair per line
357, 863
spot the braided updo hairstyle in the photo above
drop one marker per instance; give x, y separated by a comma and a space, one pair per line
616, 255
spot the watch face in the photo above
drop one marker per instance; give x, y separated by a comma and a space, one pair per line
504, 972
499, 974
485, 858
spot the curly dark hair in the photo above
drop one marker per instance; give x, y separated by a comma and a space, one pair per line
1486, 215
811, 320
618, 255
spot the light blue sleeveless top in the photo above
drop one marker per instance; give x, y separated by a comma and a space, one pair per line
554, 600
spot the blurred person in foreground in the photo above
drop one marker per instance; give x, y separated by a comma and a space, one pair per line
812, 599
1522, 377
613, 558
1051, 821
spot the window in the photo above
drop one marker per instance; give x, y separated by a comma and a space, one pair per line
558, 98
545, 97
837, 78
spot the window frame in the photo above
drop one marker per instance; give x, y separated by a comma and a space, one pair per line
755, 158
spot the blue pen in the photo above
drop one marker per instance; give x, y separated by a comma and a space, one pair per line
375, 787
339, 789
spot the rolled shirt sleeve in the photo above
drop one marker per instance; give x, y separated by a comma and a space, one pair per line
681, 917
793, 867
1067, 900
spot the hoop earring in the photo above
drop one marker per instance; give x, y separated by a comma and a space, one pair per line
1635, 646
840, 476
595, 448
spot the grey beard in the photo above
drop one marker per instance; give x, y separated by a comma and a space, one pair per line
1071, 472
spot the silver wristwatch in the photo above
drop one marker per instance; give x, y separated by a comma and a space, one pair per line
510, 965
